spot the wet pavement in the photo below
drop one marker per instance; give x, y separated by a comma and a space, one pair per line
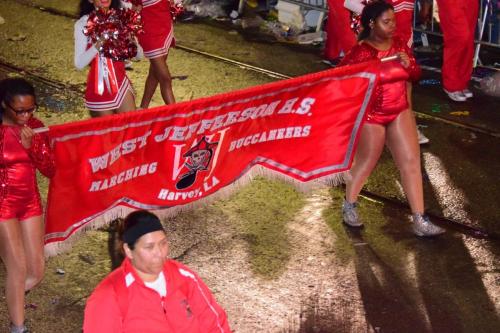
448, 284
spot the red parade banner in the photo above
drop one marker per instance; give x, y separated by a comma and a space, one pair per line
303, 129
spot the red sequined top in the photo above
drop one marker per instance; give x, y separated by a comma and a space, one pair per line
390, 94
18, 165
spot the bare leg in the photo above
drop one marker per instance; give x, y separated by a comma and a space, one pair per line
370, 146
14, 259
158, 67
97, 114
149, 88
409, 88
128, 103
403, 143
32, 232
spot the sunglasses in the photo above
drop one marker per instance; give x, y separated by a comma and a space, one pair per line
23, 112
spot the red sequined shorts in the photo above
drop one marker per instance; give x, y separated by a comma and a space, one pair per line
13, 207
384, 119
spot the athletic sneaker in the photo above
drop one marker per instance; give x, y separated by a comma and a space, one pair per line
456, 96
467, 93
18, 329
422, 139
350, 214
422, 226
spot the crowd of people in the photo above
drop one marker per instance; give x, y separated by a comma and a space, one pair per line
149, 292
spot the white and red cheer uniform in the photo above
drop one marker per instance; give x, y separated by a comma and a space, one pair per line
458, 21
158, 34
86, 54
339, 36
403, 10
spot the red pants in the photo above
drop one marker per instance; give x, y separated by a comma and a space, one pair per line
403, 10
458, 23
339, 35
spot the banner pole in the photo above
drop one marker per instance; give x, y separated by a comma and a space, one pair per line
41, 129
394, 57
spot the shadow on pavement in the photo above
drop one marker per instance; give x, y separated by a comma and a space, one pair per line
386, 304
465, 176
433, 285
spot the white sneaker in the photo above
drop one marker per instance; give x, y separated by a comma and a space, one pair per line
467, 93
422, 139
456, 96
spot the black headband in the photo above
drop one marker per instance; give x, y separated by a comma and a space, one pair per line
131, 235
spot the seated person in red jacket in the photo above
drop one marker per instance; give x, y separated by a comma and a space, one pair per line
150, 293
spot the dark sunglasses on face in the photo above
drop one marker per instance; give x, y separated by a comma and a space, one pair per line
23, 112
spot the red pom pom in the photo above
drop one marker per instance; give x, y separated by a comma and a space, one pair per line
115, 29
176, 9
356, 23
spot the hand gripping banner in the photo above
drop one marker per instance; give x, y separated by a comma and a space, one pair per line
172, 157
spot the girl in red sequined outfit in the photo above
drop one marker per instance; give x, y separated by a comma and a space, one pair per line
390, 121
22, 151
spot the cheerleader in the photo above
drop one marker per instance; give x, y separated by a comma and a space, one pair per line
390, 121
22, 151
109, 90
156, 41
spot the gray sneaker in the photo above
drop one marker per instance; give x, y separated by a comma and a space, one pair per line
18, 329
350, 214
422, 226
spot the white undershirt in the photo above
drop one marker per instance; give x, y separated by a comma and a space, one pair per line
159, 285
83, 56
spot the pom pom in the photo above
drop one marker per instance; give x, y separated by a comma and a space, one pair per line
115, 30
356, 23
176, 9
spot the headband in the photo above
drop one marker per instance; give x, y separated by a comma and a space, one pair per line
131, 235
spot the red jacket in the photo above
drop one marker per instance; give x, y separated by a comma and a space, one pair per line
123, 303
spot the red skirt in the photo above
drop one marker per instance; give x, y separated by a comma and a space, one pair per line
158, 34
109, 100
